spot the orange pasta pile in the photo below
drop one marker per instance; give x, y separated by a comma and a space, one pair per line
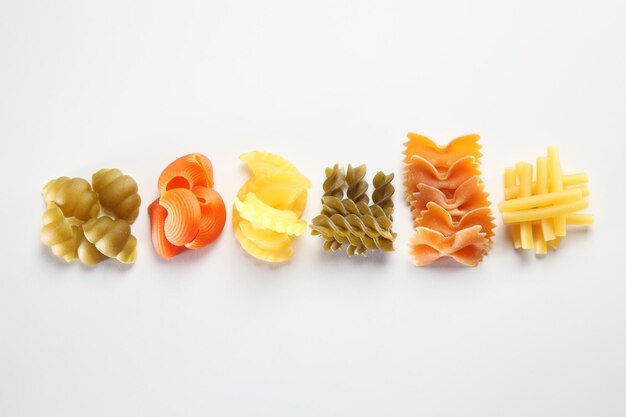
267, 210
539, 210
189, 214
450, 209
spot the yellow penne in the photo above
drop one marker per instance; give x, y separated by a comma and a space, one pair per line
512, 191
541, 200
510, 180
547, 225
525, 172
581, 219
535, 214
541, 247
555, 176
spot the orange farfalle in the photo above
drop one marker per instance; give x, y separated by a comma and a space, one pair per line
437, 218
187, 172
441, 156
421, 171
450, 208
469, 196
466, 246
189, 214
161, 245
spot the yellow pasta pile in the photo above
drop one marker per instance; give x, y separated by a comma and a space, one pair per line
267, 210
72, 227
539, 209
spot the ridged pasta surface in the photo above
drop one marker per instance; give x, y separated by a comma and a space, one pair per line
267, 210
351, 222
451, 211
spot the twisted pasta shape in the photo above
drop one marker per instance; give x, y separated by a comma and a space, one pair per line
74, 196
335, 182
57, 233
357, 186
112, 238
383, 192
117, 193
360, 231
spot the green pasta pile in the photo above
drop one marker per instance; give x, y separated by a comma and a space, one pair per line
72, 225
348, 219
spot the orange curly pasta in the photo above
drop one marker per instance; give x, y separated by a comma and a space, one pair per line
187, 172
190, 214
451, 212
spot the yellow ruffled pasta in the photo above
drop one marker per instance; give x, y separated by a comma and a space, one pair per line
267, 210
269, 218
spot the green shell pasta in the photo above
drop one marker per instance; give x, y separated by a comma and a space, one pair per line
57, 233
74, 196
112, 238
117, 193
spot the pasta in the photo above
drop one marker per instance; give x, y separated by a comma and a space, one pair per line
357, 186
467, 246
212, 217
352, 221
383, 192
86, 251
421, 171
268, 218
335, 182
441, 156
162, 246
57, 233
469, 196
117, 193
112, 238
73, 208
538, 210
264, 163
189, 214
267, 210
450, 209
74, 196
187, 172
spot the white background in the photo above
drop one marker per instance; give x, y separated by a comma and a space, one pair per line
86, 85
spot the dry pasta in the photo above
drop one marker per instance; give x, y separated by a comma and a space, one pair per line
352, 222
450, 209
117, 193
539, 209
267, 210
74, 196
112, 238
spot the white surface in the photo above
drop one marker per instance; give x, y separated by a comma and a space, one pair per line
86, 85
